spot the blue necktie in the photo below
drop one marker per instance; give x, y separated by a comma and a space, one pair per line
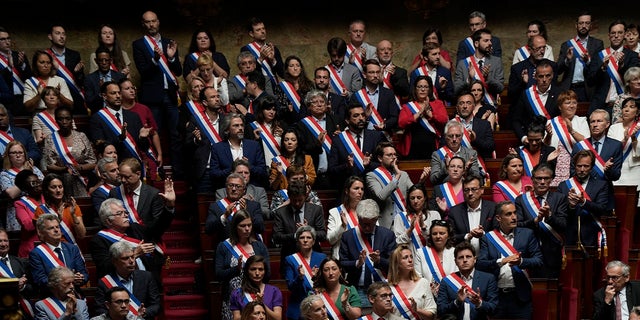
60, 255
597, 146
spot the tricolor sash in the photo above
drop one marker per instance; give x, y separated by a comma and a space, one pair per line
248, 297
599, 163
424, 71
203, 123
385, 176
505, 248
449, 194
284, 194
116, 127
469, 44
573, 183
55, 306
5, 138
254, 48
30, 203
241, 81
312, 124
522, 53
224, 203
163, 63
65, 155
363, 244
536, 103
104, 189
48, 121
473, 63
444, 153
115, 236
402, 303
284, 163
416, 234
330, 305
414, 108
237, 251
297, 260
366, 317
562, 132
267, 137
66, 231
357, 58
292, 94
386, 78
12, 171
626, 149
5, 272
456, 283
194, 56
352, 149
366, 103
350, 216
434, 263
579, 49
336, 81
612, 69
66, 74
49, 257
15, 78
121, 193
508, 190
110, 281
527, 160
533, 208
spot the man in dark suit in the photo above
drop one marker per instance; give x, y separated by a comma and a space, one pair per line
14, 65
336, 104
138, 283
220, 212
353, 254
608, 67
607, 303
545, 213
14, 267
115, 305
69, 66
393, 76
146, 204
375, 98
480, 288
95, 79
588, 201
575, 57
472, 218
158, 62
201, 137
104, 124
440, 76
477, 21
236, 146
344, 159
116, 227
318, 130
110, 175
52, 253
20, 134
522, 74
297, 213
265, 52
477, 130
539, 99
509, 253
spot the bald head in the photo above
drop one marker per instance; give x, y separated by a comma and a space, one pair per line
537, 47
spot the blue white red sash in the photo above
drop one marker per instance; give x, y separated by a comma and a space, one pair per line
473, 63
366, 317
267, 138
116, 127
104, 189
599, 163
336, 81
55, 306
444, 153
12, 172
466, 142
203, 122
17, 82
579, 49
357, 58
66, 74
533, 208
416, 234
449, 194
5, 138
505, 248
508, 190
363, 244
366, 103
5, 272
284, 194
115, 236
297, 260
330, 305
402, 303
527, 160
163, 63
522, 53
573, 183
30, 203
110, 281
536, 103
423, 71
237, 250
48, 121
254, 48
562, 132
469, 43
121, 193
312, 124
626, 149
224, 203
49, 257
612, 69
248, 297
66, 231
352, 149
292, 94
386, 78
284, 163
64, 153
414, 108
241, 80
194, 56
434, 264
350, 216
456, 283
385, 176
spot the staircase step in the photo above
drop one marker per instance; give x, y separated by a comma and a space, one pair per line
186, 314
179, 280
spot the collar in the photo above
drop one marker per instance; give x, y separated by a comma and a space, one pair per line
125, 279
374, 91
477, 209
543, 93
324, 117
61, 54
601, 140
52, 247
469, 278
508, 236
136, 191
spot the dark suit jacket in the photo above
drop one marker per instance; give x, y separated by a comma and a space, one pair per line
15, 104
598, 191
338, 107
484, 143
459, 219
400, 82
20, 267
312, 145
199, 150
516, 86
214, 225
383, 240
446, 298
284, 228
71, 59
278, 69
222, 160
444, 93
521, 114
463, 49
601, 81
603, 311
99, 130
566, 68
144, 289
92, 89
72, 258
24, 136
152, 77
387, 107
550, 247
338, 165
152, 211
526, 243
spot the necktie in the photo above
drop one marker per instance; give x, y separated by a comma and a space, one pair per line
618, 307
5, 260
118, 117
60, 255
358, 141
540, 199
298, 214
596, 146
480, 64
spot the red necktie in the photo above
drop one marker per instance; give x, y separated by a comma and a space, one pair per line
130, 200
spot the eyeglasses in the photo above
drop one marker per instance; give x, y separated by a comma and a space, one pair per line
613, 278
16, 152
121, 301
121, 213
233, 186
470, 189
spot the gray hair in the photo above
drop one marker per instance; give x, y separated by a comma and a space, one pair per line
367, 209
477, 14
118, 248
452, 123
630, 74
305, 305
315, 93
102, 163
617, 263
604, 112
226, 122
244, 55
104, 213
56, 275
234, 175
46, 217
304, 229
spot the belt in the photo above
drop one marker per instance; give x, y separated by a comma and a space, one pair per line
507, 290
